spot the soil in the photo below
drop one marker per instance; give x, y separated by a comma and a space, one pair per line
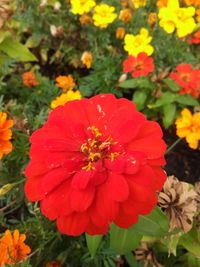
182, 161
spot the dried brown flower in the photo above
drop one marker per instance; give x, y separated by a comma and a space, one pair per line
145, 255
5, 12
179, 202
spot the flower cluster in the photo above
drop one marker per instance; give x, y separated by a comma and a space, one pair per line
135, 44
188, 79
141, 65
12, 248
95, 161
5, 134
188, 127
173, 17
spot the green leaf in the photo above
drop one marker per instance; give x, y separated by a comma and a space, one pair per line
137, 83
166, 98
16, 50
171, 84
191, 242
154, 224
169, 112
131, 260
139, 99
186, 100
93, 243
123, 240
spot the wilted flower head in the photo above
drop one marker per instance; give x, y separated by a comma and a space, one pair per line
5, 134
65, 82
104, 15
65, 97
95, 161
29, 79
82, 6
135, 44
5, 11
86, 59
145, 255
12, 248
57, 31
179, 202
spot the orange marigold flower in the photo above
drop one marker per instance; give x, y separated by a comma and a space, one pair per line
124, 3
120, 32
195, 38
5, 134
12, 248
65, 82
53, 264
86, 59
125, 15
85, 19
162, 3
197, 15
29, 79
188, 127
192, 2
152, 18
64, 98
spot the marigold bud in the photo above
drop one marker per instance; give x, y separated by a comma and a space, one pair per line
125, 15
120, 32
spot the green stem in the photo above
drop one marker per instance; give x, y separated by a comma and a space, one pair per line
173, 145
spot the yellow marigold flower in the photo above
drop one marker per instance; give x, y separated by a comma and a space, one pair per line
135, 44
65, 97
82, 6
104, 15
162, 3
86, 59
188, 127
85, 19
12, 248
5, 134
139, 3
152, 18
125, 15
120, 32
174, 18
65, 82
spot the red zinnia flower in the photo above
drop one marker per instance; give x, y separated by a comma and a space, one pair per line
94, 162
141, 65
195, 38
188, 78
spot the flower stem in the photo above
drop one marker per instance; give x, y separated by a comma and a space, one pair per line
173, 145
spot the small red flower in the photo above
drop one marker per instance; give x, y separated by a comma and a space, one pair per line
188, 78
195, 38
141, 65
94, 162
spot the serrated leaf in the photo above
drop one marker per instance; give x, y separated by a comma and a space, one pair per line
191, 242
141, 82
16, 50
139, 98
169, 112
93, 243
186, 100
166, 98
171, 84
123, 240
154, 224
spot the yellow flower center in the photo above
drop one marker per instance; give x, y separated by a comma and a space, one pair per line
97, 149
